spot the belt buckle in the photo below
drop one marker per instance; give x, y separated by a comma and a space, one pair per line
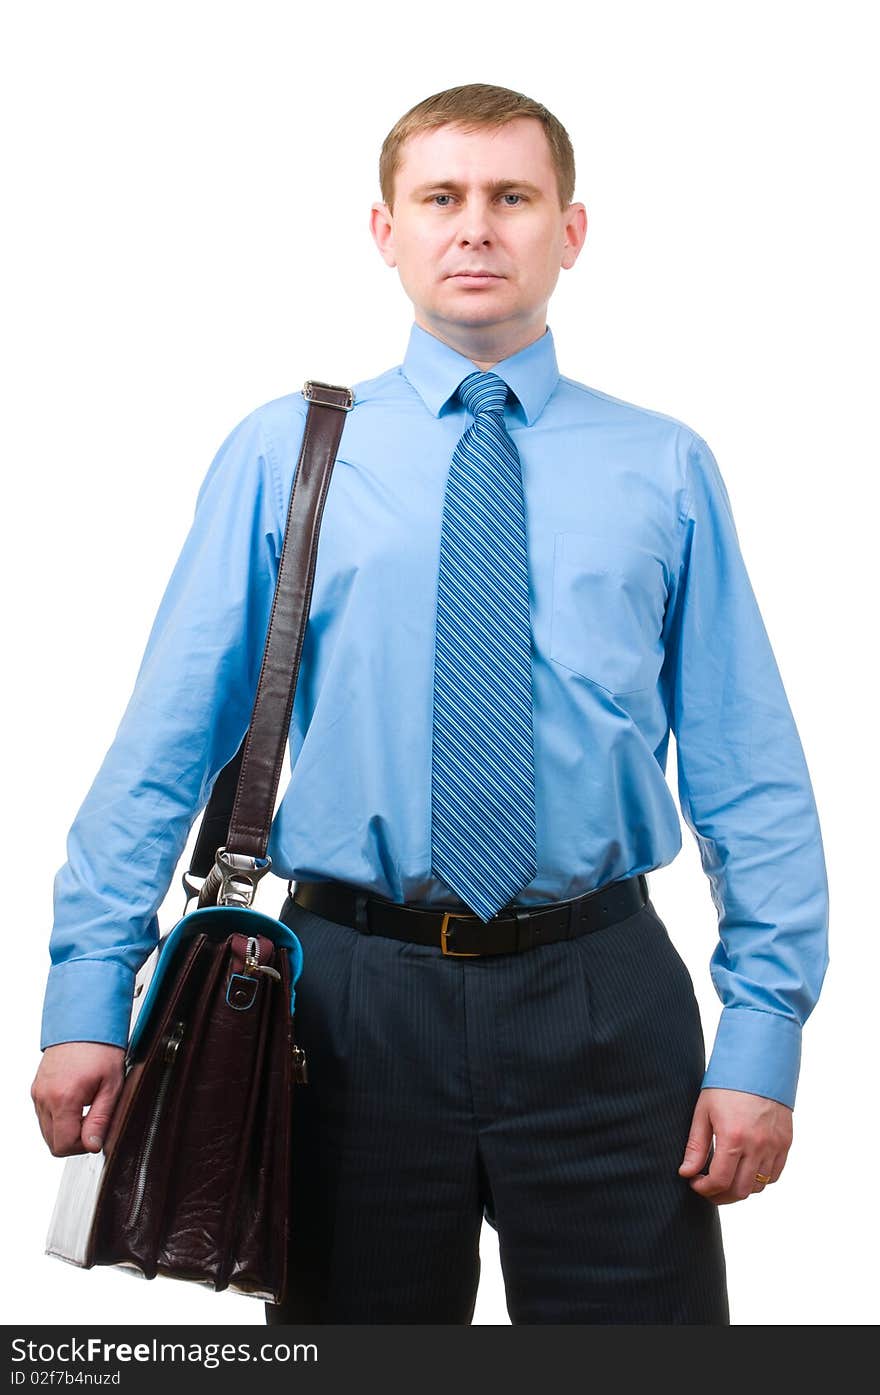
444, 930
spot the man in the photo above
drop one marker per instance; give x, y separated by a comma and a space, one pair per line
522, 586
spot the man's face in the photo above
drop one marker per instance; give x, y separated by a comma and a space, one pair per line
484, 201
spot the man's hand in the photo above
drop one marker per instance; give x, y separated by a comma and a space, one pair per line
71, 1075
752, 1134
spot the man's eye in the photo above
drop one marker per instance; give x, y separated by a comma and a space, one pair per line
434, 197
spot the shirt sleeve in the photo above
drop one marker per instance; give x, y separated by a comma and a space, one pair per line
186, 717
746, 795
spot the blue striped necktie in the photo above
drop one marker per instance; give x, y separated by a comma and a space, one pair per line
482, 784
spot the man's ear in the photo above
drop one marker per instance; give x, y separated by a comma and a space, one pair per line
575, 234
382, 228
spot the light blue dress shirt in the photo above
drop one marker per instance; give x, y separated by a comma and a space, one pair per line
644, 620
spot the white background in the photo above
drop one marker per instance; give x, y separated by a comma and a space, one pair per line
187, 192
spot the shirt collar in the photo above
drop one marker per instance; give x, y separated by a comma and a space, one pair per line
435, 370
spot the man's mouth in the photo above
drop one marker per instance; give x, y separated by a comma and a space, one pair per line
475, 276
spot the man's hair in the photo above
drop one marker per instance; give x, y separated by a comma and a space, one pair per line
474, 105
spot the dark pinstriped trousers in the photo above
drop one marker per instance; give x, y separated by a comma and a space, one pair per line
552, 1090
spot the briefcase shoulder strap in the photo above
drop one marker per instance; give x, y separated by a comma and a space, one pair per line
238, 816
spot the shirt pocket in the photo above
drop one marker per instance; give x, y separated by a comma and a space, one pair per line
607, 614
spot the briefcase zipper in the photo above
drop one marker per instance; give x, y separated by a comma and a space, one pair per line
171, 1055
252, 963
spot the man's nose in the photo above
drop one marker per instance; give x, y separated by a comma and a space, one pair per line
475, 225
473, 234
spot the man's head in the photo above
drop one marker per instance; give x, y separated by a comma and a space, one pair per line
478, 179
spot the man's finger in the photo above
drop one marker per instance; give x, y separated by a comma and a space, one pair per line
776, 1166
745, 1183
94, 1126
65, 1122
43, 1120
699, 1142
722, 1171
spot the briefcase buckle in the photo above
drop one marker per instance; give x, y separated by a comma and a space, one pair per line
328, 394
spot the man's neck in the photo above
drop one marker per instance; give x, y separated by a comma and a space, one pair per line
484, 346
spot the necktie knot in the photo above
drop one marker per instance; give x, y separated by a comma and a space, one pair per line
483, 392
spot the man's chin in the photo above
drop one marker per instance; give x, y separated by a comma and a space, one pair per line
479, 309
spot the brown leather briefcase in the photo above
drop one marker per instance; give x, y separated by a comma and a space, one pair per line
194, 1179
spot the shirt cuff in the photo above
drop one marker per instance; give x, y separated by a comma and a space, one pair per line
87, 1000
755, 1051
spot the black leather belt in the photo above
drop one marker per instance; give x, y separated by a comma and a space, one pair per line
463, 933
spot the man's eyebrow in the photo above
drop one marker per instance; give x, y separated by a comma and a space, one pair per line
493, 186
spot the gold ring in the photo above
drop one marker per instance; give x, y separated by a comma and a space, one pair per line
760, 1177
